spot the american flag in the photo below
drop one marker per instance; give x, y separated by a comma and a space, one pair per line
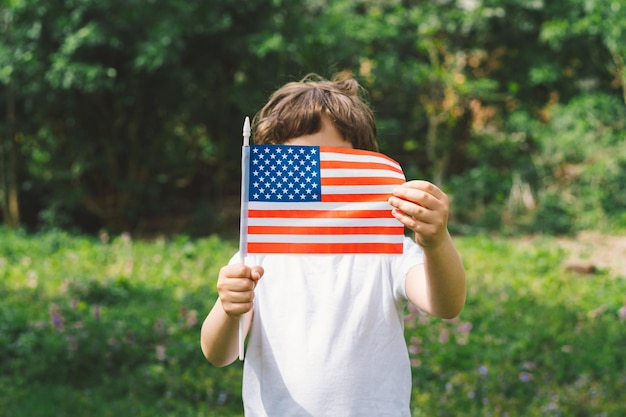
313, 200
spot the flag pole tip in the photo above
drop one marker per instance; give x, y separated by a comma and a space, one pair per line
246, 131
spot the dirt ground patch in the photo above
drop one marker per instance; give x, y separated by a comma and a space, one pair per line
600, 251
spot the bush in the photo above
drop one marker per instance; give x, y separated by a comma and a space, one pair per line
561, 176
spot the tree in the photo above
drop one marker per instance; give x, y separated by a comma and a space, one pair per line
599, 21
10, 136
133, 103
119, 115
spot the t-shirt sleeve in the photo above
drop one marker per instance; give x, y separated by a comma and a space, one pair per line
235, 259
411, 255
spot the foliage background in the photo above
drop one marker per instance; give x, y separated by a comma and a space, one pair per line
127, 115
121, 119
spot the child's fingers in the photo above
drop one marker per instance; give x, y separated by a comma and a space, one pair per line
236, 271
409, 211
236, 295
422, 193
235, 286
236, 309
423, 208
425, 186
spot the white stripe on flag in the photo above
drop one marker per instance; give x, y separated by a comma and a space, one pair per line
324, 238
364, 158
321, 222
383, 206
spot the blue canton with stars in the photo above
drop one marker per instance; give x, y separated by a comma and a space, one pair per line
285, 173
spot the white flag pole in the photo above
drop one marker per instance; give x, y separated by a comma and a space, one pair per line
243, 219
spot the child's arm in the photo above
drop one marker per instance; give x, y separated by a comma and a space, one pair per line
437, 288
219, 337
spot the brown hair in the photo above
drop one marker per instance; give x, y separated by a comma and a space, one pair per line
297, 108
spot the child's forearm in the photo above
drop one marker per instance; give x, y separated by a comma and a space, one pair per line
445, 277
219, 337
439, 287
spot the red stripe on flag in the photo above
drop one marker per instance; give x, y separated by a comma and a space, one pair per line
360, 181
334, 248
312, 214
325, 230
354, 198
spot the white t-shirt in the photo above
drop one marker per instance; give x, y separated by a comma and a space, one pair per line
327, 337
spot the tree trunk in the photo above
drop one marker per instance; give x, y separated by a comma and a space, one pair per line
8, 151
4, 200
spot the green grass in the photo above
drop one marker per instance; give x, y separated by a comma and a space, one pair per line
110, 326
542, 341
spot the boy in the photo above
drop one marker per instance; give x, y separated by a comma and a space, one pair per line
327, 336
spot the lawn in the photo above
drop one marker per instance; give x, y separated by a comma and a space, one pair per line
109, 326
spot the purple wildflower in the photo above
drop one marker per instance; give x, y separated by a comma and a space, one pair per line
465, 327
56, 319
525, 376
160, 353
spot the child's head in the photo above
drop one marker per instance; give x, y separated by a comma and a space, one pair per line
297, 109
